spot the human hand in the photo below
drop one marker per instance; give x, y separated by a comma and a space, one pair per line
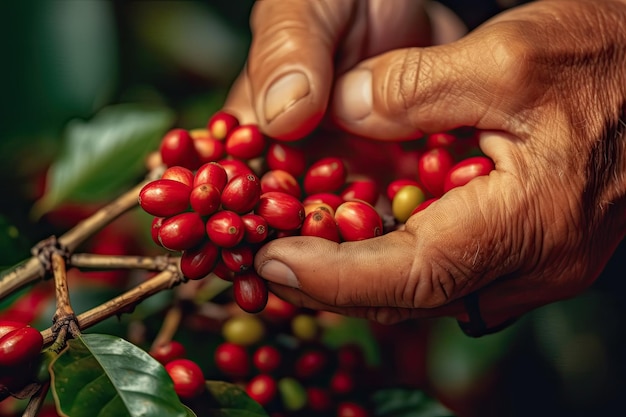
546, 84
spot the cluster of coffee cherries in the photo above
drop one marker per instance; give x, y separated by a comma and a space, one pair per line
293, 373
20, 348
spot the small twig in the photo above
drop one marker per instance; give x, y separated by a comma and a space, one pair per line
170, 325
124, 302
64, 309
89, 261
36, 401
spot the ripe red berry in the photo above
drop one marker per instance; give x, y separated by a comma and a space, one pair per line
211, 173
287, 158
278, 310
245, 142
221, 123
225, 228
310, 363
19, 346
433, 166
199, 261
177, 149
187, 376
351, 409
423, 205
466, 170
250, 291
266, 359
208, 148
239, 258
232, 360
180, 174
319, 399
325, 176
164, 197
182, 231
358, 220
342, 382
262, 388
279, 180
333, 200
256, 228
282, 211
321, 223
205, 199
167, 352
157, 222
241, 193
235, 167
363, 189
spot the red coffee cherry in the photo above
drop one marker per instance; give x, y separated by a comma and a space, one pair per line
180, 174
333, 200
211, 173
278, 310
225, 228
262, 388
208, 148
250, 291
198, 262
177, 149
423, 205
351, 409
222, 271
205, 199
241, 193
325, 176
319, 399
395, 185
182, 231
187, 377
239, 258
167, 352
433, 166
256, 228
342, 382
245, 142
287, 158
351, 357
19, 346
364, 190
232, 360
279, 180
164, 197
281, 210
466, 170
358, 220
321, 223
310, 363
157, 222
221, 123
266, 359
235, 167
7, 326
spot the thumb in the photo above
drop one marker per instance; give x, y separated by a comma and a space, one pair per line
470, 82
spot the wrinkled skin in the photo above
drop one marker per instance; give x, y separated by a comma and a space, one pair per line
546, 82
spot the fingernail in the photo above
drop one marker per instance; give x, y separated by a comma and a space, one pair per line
279, 273
353, 95
284, 93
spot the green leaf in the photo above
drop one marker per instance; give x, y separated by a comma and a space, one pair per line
400, 402
229, 400
100, 375
102, 155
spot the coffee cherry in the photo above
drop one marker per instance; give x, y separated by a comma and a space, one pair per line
164, 197
358, 220
466, 170
211, 173
180, 174
325, 176
238, 258
266, 359
157, 222
319, 399
167, 352
262, 388
19, 346
351, 409
232, 360
305, 327
310, 363
177, 149
405, 201
363, 189
292, 394
7, 326
321, 223
433, 166
182, 231
333, 200
208, 148
256, 228
423, 205
187, 377
278, 310
205, 199
222, 271
245, 142
225, 228
241, 193
281, 210
342, 382
395, 185
250, 291
351, 357
244, 330
198, 262
279, 180
287, 158
235, 167
221, 123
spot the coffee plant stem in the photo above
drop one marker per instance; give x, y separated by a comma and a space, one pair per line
36, 401
64, 307
170, 324
165, 280
90, 261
